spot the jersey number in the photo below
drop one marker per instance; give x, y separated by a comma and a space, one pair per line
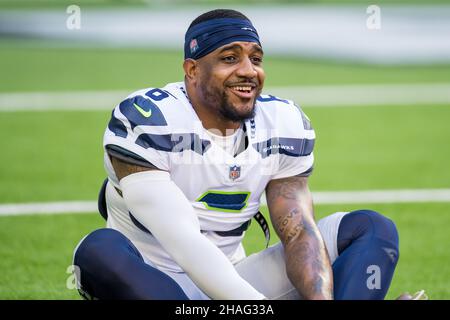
270, 98
157, 94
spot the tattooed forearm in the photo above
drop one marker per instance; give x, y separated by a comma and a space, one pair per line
288, 189
307, 263
285, 221
123, 169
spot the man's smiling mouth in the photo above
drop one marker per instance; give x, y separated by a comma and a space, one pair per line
244, 91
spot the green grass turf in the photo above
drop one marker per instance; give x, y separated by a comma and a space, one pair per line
52, 69
39, 250
52, 156
389, 147
36, 252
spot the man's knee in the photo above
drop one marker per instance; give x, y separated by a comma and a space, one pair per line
374, 224
368, 255
100, 257
101, 247
362, 225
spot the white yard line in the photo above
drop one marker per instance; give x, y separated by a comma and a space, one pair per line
306, 96
382, 196
15, 209
325, 197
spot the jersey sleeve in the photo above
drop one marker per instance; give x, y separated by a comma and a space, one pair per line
296, 145
139, 130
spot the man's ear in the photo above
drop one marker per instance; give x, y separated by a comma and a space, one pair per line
190, 67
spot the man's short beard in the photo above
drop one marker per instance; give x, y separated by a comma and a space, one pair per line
229, 112
226, 110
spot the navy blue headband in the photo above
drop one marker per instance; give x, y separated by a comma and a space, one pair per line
207, 36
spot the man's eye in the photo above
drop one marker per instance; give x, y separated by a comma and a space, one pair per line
257, 60
229, 59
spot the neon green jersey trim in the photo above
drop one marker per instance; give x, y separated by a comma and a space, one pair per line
247, 193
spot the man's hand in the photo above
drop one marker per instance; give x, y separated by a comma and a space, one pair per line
307, 263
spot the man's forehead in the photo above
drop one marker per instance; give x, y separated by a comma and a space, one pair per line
240, 46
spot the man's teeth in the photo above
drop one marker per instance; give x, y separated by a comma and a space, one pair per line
243, 88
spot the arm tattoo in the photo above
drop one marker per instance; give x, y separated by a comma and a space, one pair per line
311, 251
307, 263
288, 189
286, 222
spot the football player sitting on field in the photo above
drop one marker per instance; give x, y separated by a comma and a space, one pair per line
187, 165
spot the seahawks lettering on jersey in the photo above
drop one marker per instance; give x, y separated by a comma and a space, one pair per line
161, 127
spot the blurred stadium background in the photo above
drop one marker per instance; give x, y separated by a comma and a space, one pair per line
379, 100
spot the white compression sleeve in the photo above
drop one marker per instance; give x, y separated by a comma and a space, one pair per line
160, 205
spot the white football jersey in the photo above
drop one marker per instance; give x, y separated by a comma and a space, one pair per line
161, 126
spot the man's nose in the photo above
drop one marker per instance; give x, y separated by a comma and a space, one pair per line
246, 69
